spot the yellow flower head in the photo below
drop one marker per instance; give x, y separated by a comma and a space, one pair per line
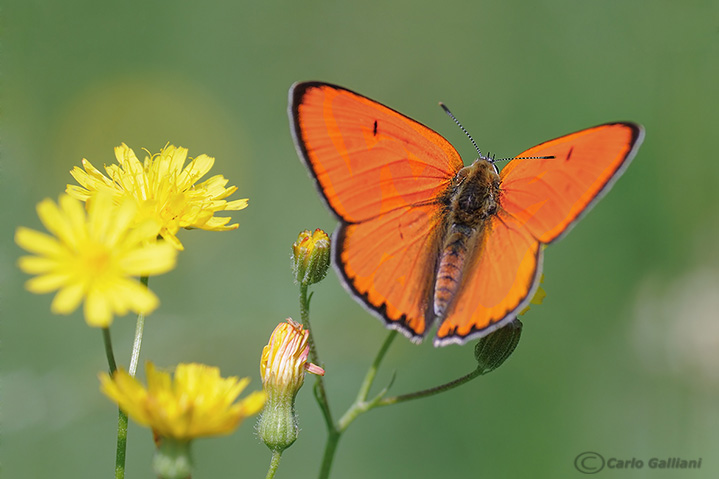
164, 189
284, 359
93, 257
311, 256
198, 402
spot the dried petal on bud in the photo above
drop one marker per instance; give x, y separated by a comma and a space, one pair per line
311, 256
492, 350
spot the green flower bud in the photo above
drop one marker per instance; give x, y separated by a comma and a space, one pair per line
283, 366
311, 257
492, 350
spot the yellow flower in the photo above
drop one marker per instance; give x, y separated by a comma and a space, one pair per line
311, 256
197, 403
163, 189
93, 257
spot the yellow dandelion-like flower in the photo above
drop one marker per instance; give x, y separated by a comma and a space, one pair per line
93, 256
198, 402
164, 188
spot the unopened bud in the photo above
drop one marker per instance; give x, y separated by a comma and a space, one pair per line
492, 350
283, 367
311, 256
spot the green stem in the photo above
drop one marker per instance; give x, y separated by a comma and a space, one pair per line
320, 392
121, 449
319, 389
274, 463
121, 416
333, 438
108, 350
431, 391
360, 405
121, 444
137, 342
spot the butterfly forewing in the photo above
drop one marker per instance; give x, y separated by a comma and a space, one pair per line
367, 159
550, 195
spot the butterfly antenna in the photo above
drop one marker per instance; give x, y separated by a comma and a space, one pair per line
446, 110
526, 158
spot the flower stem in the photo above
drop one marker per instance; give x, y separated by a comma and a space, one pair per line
121, 444
274, 463
120, 450
360, 405
333, 438
320, 392
431, 391
121, 416
137, 342
108, 350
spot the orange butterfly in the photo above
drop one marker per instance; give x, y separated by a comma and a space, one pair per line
422, 238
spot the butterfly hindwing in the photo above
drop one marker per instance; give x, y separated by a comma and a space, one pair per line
499, 277
389, 263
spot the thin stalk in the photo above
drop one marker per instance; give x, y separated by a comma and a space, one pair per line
320, 392
431, 391
137, 342
333, 438
360, 405
121, 444
274, 463
108, 350
121, 416
121, 448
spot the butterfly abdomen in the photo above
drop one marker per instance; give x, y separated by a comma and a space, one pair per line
471, 200
451, 263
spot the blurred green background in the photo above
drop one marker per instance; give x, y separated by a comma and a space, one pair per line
621, 359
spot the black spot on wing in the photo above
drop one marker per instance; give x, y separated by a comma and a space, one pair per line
569, 154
